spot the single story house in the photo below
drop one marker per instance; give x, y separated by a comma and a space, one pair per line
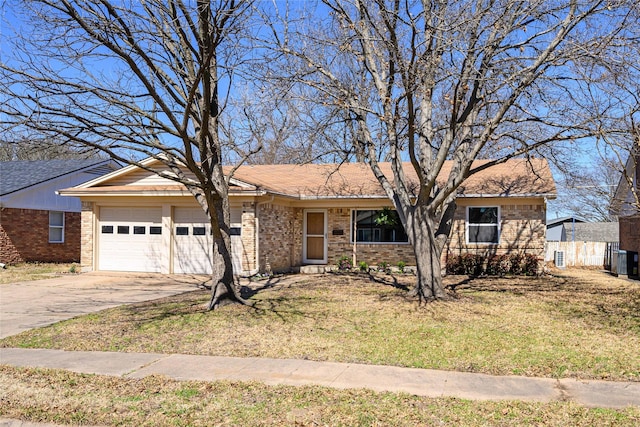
287, 216
36, 224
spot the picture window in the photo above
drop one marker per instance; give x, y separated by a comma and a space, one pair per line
378, 226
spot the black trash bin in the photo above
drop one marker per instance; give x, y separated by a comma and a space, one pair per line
622, 263
632, 264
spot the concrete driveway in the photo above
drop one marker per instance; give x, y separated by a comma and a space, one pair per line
28, 305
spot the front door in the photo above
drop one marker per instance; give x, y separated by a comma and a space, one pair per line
315, 237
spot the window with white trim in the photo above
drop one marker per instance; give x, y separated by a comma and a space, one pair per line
56, 227
483, 224
377, 226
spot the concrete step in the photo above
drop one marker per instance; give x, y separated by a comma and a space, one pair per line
314, 269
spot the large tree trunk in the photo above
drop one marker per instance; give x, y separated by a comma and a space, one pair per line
223, 286
428, 235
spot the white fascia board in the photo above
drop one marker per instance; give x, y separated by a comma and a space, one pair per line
549, 196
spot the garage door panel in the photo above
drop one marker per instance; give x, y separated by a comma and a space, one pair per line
192, 248
130, 239
193, 243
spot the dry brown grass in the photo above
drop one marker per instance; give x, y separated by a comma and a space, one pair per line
580, 324
55, 396
34, 271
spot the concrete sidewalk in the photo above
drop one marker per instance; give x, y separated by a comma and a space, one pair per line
421, 382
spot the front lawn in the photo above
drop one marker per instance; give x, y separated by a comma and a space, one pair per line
581, 324
62, 397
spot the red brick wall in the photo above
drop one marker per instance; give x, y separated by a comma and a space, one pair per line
24, 236
629, 233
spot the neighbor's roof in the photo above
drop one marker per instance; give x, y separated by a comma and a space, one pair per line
517, 177
18, 175
563, 219
593, 231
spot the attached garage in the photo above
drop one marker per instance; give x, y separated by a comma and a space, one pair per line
130, 239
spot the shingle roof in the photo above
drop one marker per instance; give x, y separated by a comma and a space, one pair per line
593, 231
18, 175
517, 177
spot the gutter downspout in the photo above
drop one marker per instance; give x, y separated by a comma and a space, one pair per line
257, 236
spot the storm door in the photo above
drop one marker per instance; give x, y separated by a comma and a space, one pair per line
315, 237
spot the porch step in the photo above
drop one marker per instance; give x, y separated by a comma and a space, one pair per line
314, 269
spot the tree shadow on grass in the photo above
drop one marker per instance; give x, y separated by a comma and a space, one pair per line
388, 279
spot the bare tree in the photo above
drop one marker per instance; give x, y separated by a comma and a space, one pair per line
134, 79
32, 147
588, 189
446, 81
609, 94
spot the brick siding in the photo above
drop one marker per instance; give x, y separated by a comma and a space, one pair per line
24, 237
522, 229
86, 236
630, 233
277, 237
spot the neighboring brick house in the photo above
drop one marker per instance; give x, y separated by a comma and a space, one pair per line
625, 206
36, 224
287, 216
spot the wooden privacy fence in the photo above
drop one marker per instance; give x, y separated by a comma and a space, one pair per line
580, 254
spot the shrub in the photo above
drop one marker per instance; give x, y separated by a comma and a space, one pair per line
401, 265
344, 263
453, 265
498, 265
469, 264
473, 264
530, 265
516, 261
363, 266
384, 267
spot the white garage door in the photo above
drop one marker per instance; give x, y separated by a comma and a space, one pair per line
130, 239
193, 241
